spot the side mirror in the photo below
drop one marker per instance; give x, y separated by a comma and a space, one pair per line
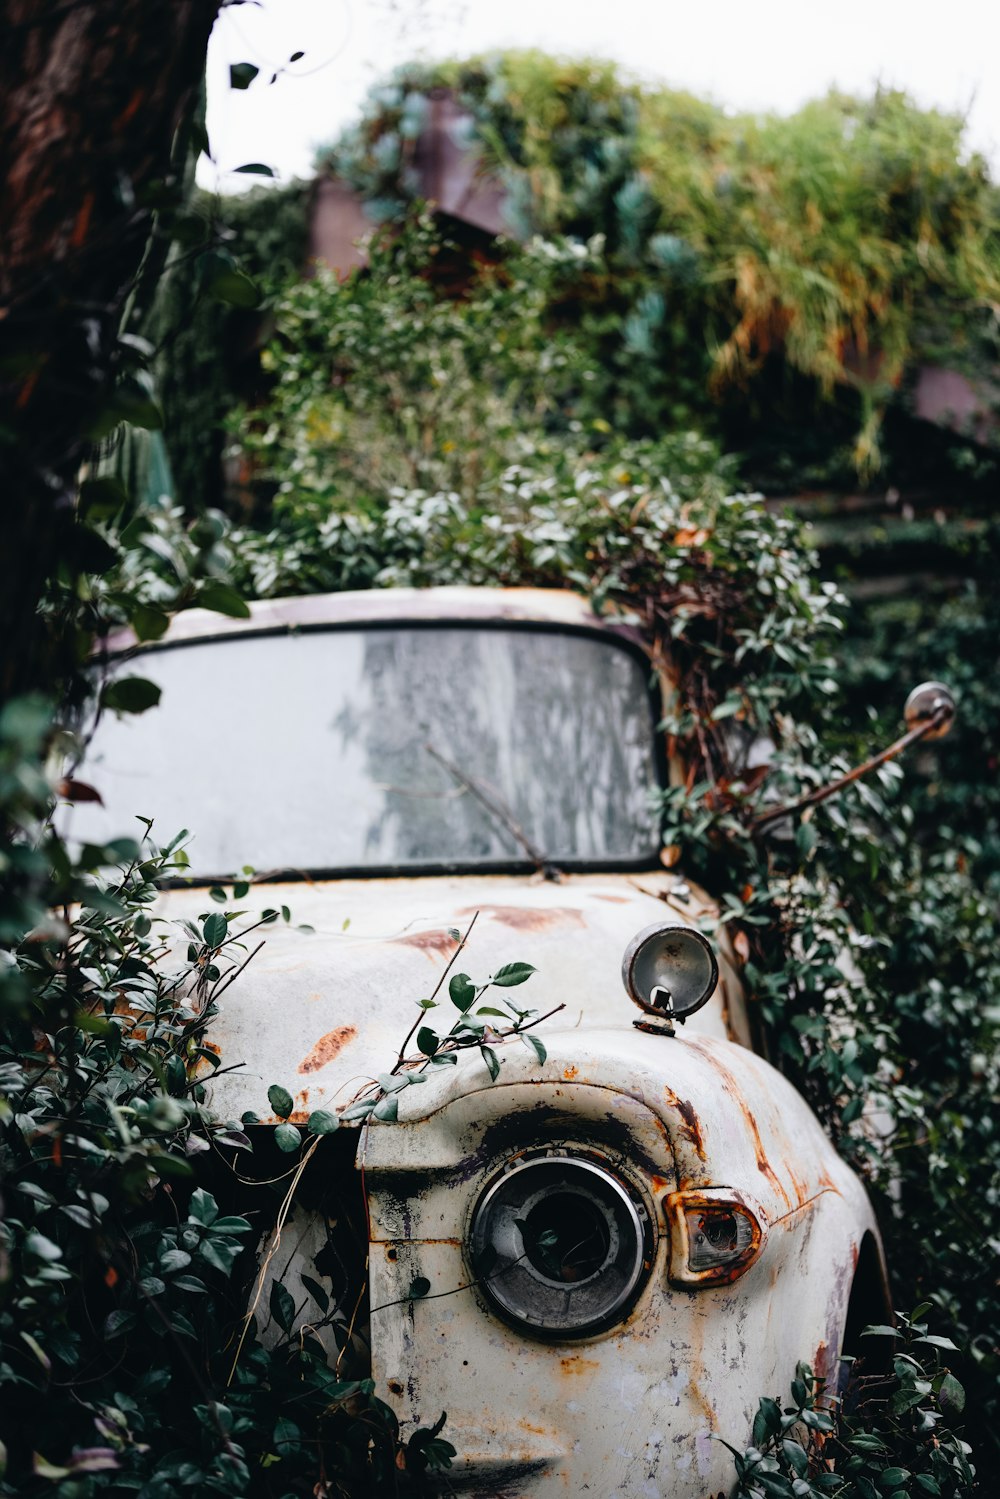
929, 710
928, 713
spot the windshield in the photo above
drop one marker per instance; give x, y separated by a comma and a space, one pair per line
381, 748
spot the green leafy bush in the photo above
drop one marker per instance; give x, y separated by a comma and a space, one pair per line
895, 1433
868, 924
760, 270
130, 1365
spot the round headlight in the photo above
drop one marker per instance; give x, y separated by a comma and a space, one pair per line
670, 971
560, 1245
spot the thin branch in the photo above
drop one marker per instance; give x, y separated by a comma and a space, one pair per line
400, 1060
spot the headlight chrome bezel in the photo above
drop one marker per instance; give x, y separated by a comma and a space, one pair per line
535, 1298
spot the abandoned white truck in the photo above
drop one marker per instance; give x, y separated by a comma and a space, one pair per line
620, 1245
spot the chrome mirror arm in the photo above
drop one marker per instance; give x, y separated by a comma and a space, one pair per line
928, 713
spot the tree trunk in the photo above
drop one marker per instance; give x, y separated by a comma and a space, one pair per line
92, 93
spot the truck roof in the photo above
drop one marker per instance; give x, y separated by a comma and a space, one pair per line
552, 607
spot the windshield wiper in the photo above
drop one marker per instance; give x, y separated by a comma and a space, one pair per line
500, 811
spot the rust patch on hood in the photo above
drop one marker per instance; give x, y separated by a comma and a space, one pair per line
427, 942
690, 1128
328, 1047
528, 918
735, 1092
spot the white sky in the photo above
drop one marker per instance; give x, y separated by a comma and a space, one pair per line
748, 54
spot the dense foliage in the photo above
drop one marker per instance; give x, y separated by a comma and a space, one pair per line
126, 1281
778, 282
759, 270
414, 438
894, 1435
903, 1030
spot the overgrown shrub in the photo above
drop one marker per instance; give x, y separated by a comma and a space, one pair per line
762, 272
735, 611
124, 1282
893, 1434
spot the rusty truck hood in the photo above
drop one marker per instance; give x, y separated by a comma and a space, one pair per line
321, 1012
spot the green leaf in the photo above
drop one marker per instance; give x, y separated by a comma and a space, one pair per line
130, 695
419, 1287
492, 1061
727, 708
149, 623
321, 1122
40, 1248
256, 169
172, 1260
280, 1100
191, 1284
359, 1110
37, 1350
536, 1046
117, 1322
317, 1292
393, 1082
231, 1224
132, 402
282, 1306
204, 1208
223, 599
242, 74
102, 498
775, 1485
237, 290
387, 1109
287, 1138
512, 974
796, 1456
427, 1041
444, 1059
462, 991
951, 1396
287, 1437
215, 929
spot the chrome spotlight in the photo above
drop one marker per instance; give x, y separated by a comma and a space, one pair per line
670, 971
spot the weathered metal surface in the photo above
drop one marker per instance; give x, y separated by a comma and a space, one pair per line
545, 606
633, 1411
323, 1012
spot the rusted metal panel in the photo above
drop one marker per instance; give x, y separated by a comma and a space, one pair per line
450, 170
320, 1012
337, 222
634, 1411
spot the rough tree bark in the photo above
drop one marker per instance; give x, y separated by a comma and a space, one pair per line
92, 93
